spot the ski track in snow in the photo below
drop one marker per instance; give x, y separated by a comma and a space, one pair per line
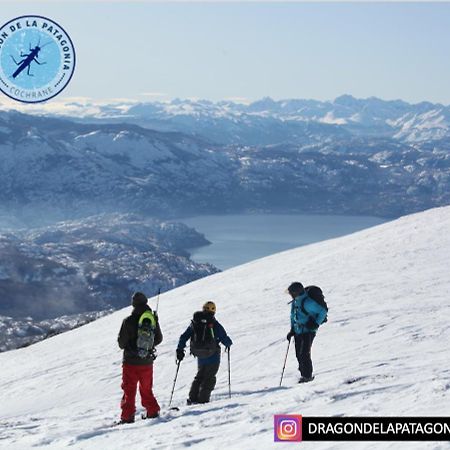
384, 351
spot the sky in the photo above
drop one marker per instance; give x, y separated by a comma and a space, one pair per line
246, 51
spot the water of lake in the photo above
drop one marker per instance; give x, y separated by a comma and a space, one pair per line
237, 239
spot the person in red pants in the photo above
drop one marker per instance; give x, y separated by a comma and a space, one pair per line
139, 334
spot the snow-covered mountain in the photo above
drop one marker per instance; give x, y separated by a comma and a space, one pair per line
65, 169
68, 169
267, 121
91, 264
376, 178
384, 351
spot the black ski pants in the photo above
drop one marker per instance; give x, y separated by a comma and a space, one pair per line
204, 383
303, 343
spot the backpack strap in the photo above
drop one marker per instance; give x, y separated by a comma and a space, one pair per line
302, 305
311, 319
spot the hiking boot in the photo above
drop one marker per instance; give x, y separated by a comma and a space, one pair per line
124, 421
190, 402
306, 379
150, 416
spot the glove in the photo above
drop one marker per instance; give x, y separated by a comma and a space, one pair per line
290, 335
312, 323
227, 348
180, 354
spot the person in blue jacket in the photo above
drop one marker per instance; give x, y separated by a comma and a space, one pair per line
306, 317
204, 331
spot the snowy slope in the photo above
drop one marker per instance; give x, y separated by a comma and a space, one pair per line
384, 350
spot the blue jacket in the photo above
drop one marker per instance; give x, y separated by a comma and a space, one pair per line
299, 318
220, 335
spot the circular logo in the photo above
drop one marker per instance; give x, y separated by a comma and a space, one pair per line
37, 59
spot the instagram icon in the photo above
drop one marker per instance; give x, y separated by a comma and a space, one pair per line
287, 428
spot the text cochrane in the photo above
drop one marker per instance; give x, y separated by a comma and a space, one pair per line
20, 93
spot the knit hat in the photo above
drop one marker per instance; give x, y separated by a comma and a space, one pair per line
295, 288
139, 299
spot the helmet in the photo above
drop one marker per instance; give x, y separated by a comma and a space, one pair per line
209, 307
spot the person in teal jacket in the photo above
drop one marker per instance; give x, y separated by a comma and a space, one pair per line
306, 317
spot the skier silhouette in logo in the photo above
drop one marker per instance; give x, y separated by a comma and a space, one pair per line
29, 58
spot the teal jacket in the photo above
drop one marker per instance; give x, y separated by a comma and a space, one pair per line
306, 314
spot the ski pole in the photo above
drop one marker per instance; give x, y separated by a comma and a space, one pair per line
229, 374
157, 301
174, 381
285, 359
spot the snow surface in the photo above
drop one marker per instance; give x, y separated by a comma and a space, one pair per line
384, 351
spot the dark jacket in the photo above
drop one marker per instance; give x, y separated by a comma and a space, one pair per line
221, 336
128, 336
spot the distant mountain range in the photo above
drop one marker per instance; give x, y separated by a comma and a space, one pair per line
371, 156
267, 121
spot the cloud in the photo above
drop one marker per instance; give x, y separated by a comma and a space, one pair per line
77, 99
69, 106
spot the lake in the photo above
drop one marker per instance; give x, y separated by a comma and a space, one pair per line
237, 239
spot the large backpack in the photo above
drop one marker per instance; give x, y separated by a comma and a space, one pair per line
146, 334
316, 294
203, 341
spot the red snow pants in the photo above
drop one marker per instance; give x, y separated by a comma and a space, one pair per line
131, 376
